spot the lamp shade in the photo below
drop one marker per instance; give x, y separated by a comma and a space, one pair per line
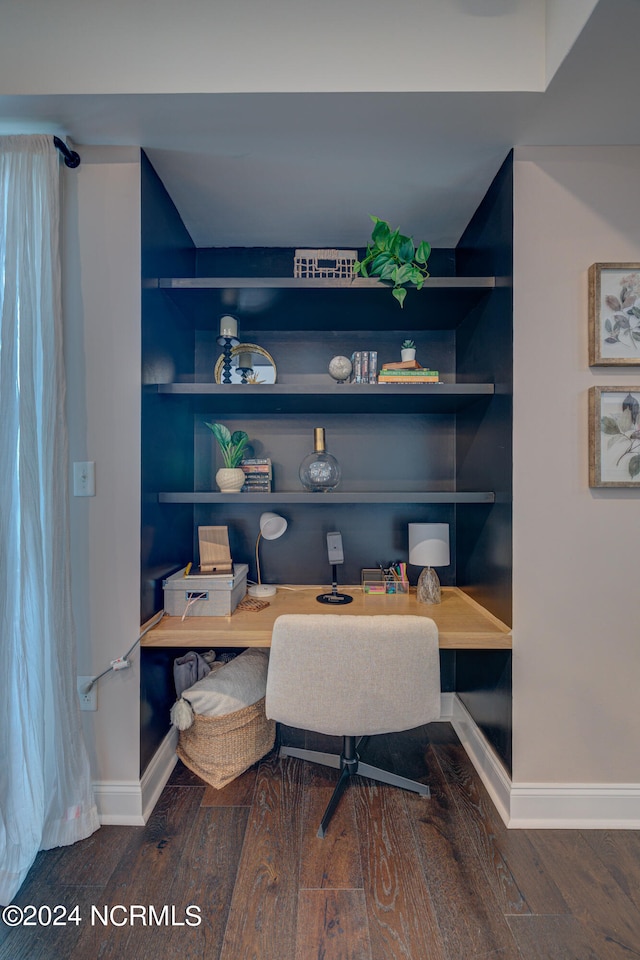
429, 544
272, 525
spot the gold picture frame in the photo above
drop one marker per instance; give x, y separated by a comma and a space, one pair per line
614, 436
266, 372
614, 314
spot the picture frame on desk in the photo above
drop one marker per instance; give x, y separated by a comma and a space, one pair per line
614, 314
614, 436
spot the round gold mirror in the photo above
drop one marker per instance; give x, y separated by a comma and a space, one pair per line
250, 364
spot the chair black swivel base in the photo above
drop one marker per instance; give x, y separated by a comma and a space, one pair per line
349, 763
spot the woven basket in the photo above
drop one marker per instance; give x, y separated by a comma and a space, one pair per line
219, 749
324, 264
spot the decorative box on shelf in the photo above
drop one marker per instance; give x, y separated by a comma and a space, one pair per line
205, 595
374, 581
324, 264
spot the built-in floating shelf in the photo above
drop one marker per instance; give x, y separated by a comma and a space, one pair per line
329, 498
260, 390
295, 283
267, 304
333, 397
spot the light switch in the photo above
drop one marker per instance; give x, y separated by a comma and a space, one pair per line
84, 478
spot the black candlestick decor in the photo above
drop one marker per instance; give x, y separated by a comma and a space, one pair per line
227, 343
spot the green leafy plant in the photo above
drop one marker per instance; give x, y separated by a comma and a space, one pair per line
408, 345
394, 258
232, 445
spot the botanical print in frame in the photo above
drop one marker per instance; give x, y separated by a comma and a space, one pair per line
614, 437
614, 314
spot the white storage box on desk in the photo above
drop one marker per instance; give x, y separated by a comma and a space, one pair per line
205, 596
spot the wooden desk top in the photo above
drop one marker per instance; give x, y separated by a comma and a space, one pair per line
462, 623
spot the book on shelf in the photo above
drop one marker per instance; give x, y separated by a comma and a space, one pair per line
257, 467
401, 365
409, 376
391, 378
252, 485
419, 372
365, 365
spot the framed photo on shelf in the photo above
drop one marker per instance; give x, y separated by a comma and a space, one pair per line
614, 314
614, 437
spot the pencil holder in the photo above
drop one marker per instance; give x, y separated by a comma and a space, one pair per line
373, 581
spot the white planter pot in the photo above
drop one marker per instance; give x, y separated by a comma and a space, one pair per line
408, 354
230, 480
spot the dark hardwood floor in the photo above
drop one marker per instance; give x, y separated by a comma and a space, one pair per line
397, 876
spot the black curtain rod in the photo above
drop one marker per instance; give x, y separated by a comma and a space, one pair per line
71, 158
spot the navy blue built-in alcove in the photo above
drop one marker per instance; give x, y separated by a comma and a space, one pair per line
484, 350
469, 448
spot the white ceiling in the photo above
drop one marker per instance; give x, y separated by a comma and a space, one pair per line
298, 169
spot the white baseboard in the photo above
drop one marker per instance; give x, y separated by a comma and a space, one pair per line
483, 757
446, 706
548, 806
587, 806
119, 802
573, 806
130, 802
158, 772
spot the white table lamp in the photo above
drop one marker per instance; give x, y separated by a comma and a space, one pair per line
428, 548
272, 526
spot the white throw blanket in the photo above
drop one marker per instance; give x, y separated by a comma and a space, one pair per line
229, 687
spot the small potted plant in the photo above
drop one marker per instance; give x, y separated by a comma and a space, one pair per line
408, 350
395, 259
230, 478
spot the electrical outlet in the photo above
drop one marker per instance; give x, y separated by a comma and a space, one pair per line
84, 478
89, 700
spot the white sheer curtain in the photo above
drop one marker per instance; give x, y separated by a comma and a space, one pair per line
45, 785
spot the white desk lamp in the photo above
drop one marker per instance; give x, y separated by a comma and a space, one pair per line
272, 526
428, 548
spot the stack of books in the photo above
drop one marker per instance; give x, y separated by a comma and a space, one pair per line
365, 366
407, 371
258, 475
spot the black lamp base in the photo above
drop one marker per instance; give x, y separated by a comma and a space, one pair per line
334, 598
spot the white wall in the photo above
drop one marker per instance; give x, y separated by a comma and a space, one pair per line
102, 346
200, 46
564, 22
576, 599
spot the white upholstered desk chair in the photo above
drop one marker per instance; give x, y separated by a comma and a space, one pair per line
353, 676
